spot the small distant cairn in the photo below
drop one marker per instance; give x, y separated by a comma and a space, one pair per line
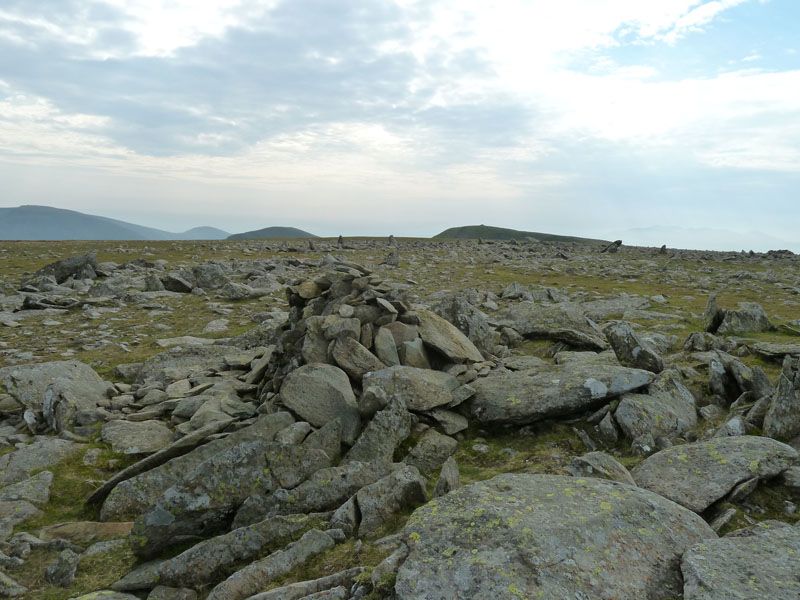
612, 247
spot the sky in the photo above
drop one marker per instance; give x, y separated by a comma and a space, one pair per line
657, 121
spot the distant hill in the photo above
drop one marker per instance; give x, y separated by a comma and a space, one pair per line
485, 232
272, 232
31, 222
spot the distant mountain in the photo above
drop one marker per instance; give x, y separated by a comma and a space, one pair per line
32, 222
272, 232
203, 233
486, 232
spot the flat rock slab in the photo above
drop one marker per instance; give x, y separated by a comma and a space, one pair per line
35, 490
419, 389
697, 475
145, 437
527, 396
27, 383
183, 362
775, 350
441, 335
559, 322
84, 533
547, 536
42, 453
758, 562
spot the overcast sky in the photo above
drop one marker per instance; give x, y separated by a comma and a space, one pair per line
656, 121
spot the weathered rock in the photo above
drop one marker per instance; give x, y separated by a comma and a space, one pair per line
451, 422
630, 350
327, 489
413, 354
354, 358
62, 571
697, 475
775, 350
320, 393
759, 562
522, 397
79, 267
206, 501
445, 337
748, 318
10, 588
15, 512
383, 434
431, 451
35, 490
601, 466
713, 315
107, 595
172, 593
449, 478
210, 276
303, 589
385, 347
182, 363
380, 501
144, 437
546, 536
254, 577
44, 452
131, 497
559, 322
327, 438
84, 533
420, 389
459, 311
783, 416
667, 411
209, 560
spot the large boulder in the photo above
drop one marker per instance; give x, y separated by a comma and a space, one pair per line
385, 432
547, 536
206, 501
445, 337
133, 496
630, 350
320, 393
420, 389
748, 318
523, 397
758, 562
184, 362
44, 452
559, 322
144, 437
697, 475
79, 267
783, 416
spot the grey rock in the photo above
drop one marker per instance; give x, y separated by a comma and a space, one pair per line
15, 512
449, 478
210, 276
206, 501
44, 452
420, 389
413, 354
380, 501
558, 322
758, 562
354, 358
748, 318
667, 411
320, 393
783, 416
547, 536
175, 281
383, 434
697, 475
527, 396
601, 466
172, 593
294, 434
327, 489
10, 588
459, 311
445, 337
133, 496
431, 451
80, 267
35, 490
254, 577
385, 347
145, 437
713, 315
209, 560
327, 438
184, 362
62, 571
629, 348
107, 595
451, 422
302, 589
776, 350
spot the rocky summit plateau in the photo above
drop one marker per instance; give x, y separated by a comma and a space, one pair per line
368, 419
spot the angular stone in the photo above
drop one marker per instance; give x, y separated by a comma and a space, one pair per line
420, 389
630, 350
380, 501
383, 434
431, 451
246, 582
697, 475
320, 393
449, 478
558, 322
445, 337
523, 397
413, 354
84, 533
748, 318
354, 358
783, 416
145, 437
385, 347
35, 490
62, 571
601, 466
44, 452
759, 562
304, 589
547, 536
